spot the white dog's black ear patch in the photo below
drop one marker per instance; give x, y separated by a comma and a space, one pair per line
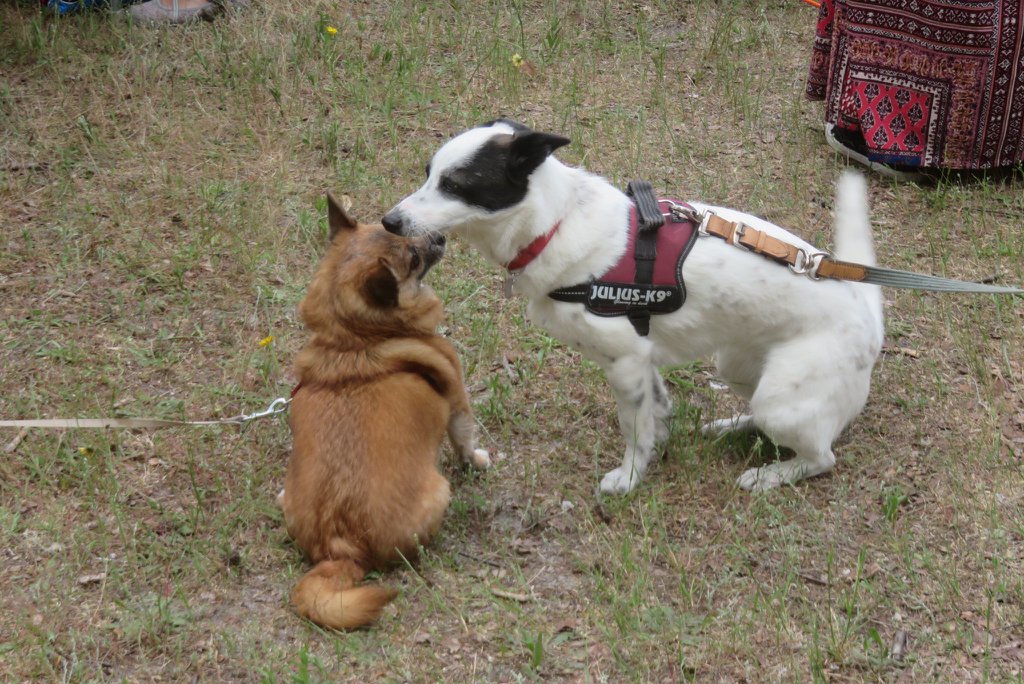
529, 149
497, 174
514, 125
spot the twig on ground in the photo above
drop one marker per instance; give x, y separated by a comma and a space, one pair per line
511, 595
479, 560
820, 580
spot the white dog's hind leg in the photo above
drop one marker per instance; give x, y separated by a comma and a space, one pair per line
799, 407
798, 426
633, 380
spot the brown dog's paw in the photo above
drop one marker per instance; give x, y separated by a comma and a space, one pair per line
480, 459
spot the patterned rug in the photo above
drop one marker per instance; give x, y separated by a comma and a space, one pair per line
931, 84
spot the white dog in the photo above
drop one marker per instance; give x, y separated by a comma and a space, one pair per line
801, 352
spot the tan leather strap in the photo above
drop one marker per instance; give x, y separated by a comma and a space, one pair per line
840, 270
757, 241
817, 264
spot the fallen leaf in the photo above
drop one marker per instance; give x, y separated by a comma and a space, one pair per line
871, 569
568, 625
13, 444
1013, 652
92, 579
899, 645
973, 618
902, 351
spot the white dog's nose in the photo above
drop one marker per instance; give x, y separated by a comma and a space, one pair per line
393, 222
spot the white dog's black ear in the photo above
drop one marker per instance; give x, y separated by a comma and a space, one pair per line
528, 150
337, 219
515, 125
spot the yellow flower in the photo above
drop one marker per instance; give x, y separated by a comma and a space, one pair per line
330, 30
266, 340
517, 61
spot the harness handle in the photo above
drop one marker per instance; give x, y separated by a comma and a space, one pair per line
649, 220
648, 212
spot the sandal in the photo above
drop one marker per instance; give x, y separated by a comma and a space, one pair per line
155, 12
850, 151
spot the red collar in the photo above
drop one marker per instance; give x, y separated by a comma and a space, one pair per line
532, 250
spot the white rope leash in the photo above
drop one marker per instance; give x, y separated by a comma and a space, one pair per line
279, 405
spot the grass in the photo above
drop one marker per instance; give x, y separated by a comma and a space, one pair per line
161, 205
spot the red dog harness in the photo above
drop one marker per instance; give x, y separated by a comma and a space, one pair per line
648, 278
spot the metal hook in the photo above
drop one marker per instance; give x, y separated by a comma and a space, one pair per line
279, 405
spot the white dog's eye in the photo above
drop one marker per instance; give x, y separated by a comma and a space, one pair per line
448, 185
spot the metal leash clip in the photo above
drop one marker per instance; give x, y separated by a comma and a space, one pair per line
679, 212
279, 405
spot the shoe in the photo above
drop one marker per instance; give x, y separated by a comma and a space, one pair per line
861, 157
71, 6
155, 12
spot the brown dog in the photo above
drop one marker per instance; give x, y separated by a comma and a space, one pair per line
378, 389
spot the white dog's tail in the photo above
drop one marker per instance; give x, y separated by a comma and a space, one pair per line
852, 233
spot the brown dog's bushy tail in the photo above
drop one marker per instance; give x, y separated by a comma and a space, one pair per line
327, 595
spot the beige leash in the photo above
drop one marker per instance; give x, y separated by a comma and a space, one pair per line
279, 405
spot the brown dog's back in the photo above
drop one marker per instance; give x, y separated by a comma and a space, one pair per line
365, 457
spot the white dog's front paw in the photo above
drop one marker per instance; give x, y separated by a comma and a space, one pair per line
480, 459
622, 480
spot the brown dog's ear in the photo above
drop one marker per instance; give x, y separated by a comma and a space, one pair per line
381, 286
337, 219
